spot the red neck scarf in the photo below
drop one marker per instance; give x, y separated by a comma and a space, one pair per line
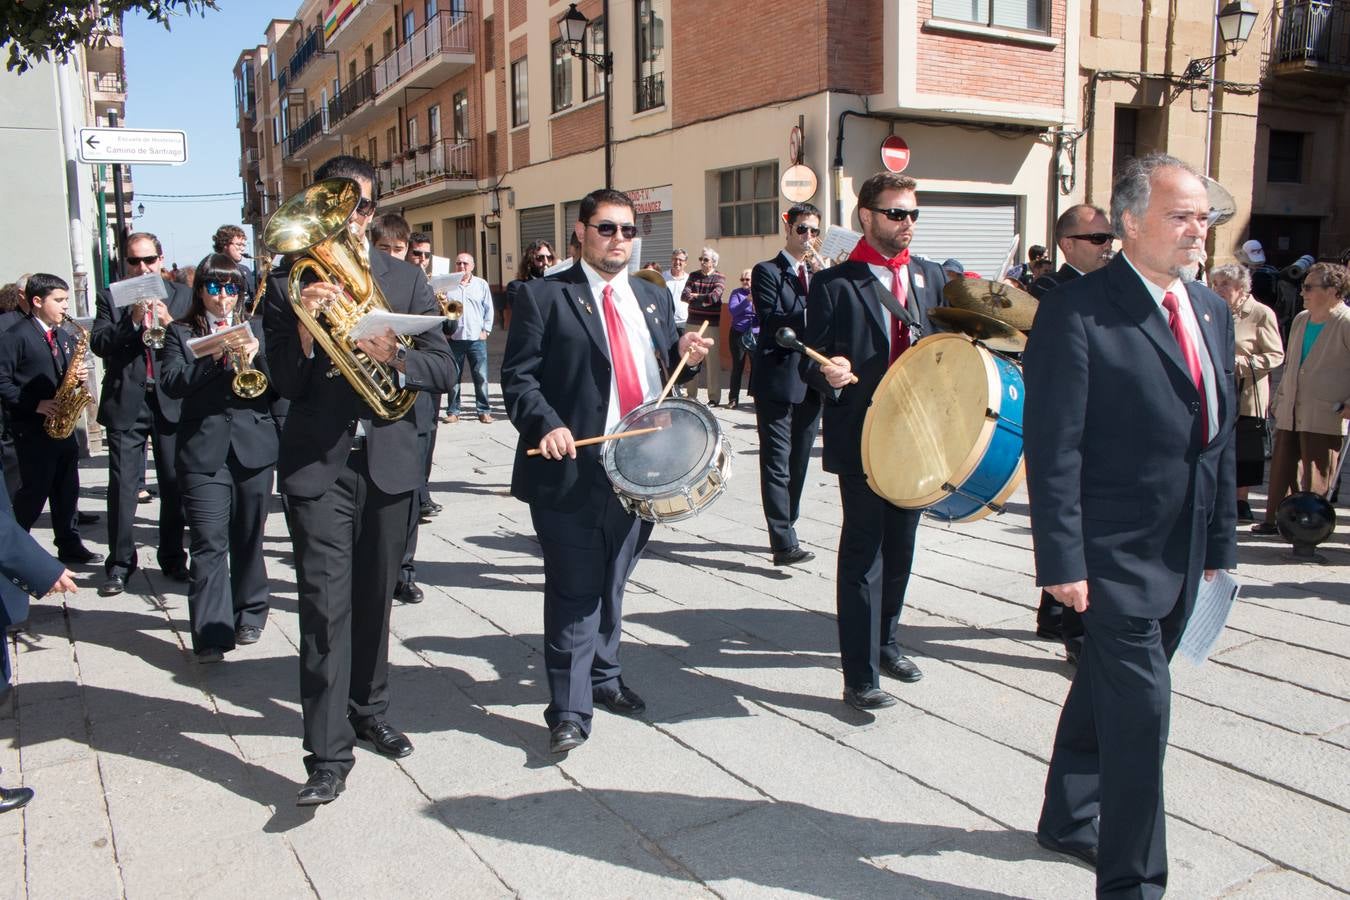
865, 252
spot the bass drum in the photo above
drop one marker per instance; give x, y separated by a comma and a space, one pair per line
675, 473
944, 431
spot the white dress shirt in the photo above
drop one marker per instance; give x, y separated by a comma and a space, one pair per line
639, 339
883, 274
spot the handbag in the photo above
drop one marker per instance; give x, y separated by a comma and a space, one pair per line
1253, 437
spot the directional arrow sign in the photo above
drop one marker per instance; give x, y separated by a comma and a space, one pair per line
133, 146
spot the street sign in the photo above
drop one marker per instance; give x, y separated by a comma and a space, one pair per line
798, 184
895, 153
133, 146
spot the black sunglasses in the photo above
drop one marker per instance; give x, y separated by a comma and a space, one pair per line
365, 207
609, 229
897, 213
141, 260
803, 229
419, 254
1097, 238
544, 257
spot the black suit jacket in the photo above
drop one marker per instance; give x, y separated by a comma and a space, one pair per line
25, 570
117, 340
213, 419
844, 318
779, 301
321, 421
29, 374
556, 372
1051, 280
1123, 492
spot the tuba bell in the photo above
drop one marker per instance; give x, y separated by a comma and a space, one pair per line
314, 227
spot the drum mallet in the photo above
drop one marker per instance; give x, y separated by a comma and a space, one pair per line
786, 338
586, 442
684, 361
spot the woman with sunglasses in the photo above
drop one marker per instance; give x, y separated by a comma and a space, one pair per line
1312, 402
744, 334
227, 450
703, 292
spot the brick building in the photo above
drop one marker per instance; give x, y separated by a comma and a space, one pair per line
486, 131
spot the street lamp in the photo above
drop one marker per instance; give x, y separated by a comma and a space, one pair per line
572, 30
140, 210
1236, 21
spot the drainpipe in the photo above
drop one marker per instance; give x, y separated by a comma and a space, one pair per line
74, 197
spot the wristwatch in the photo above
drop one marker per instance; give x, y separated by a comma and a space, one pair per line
401, 354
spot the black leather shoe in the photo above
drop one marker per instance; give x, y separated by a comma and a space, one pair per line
621, 702
867, 698
1049, 632
1244, 513
902, 667
322, 787
792, 557
565, 736
387, 739
115, 585
14, 798
1083, 854
177, 573
408, 592
1265, 528
84, 518
247, 634
209, 655
79, 555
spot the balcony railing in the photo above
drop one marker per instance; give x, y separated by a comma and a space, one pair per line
307, 131
447, 32
1307, 35
442, 161
352, 97
283, 79
309, 48
109, 83
651, 91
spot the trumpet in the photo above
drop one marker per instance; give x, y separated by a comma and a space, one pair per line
451, 309
153, 336
814, 261
248, 383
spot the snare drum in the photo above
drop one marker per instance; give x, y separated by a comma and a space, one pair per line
674, 473
944, 431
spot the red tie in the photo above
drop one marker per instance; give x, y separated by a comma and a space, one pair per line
621, 357
220, 323
801, 277
51, 342
1191, 357
899, 333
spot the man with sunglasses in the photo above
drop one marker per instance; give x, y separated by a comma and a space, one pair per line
578, 358
230, 240
419, 250
1083, 236
133, 409
468, 341
786, 413
350, 477
862, 315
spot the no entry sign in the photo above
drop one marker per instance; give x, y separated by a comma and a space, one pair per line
895, 153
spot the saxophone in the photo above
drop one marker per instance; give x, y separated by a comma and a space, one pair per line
72, 396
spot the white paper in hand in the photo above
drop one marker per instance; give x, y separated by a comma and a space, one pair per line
208, 344
838, 241
377, 321
560, 266
441, 284
133, 290
1213, 602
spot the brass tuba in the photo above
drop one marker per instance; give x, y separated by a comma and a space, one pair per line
72, 396
314, 227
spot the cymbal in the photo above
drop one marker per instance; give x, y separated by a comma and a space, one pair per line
992, 298
993, 333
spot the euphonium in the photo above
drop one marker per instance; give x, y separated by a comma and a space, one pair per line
72, 396
313, 227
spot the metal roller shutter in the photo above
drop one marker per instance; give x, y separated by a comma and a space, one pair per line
657, 231
536, 224
972, 228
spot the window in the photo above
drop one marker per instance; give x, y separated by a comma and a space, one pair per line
391, 141
276, 131
489, 47
520, 92
649, 42
1030, 15
592, 78
388, 38
412, 133
409, 26
562, 76
372, 150
461, 116
430, 11
747, 200
272, 67
1284, 161
1126, 138
433, 124
351, 71
370, 59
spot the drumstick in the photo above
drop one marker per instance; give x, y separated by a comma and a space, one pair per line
787, 339
684, 360
586, 442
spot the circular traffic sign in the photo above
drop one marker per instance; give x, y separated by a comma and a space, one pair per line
895, 153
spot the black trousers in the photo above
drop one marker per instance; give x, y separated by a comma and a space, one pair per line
9, 458
226, 514
126, 473
787, 432
48, 473
876, 550
741, 360
348, 543
1105, 784
589, 554
407, 572
1055, 616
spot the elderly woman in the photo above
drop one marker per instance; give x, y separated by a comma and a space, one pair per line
1257, 343
1312, 402
704, 293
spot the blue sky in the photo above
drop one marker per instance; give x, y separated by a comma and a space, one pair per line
183, 79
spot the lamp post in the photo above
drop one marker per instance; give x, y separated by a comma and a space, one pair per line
1236, 21
572, 29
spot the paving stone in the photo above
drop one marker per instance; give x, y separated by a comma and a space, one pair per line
68, 836
1326, 673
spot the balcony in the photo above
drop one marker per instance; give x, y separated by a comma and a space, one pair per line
346, 22
352, 108
304, 54
305, 133
436, 51
651, 92
429, 174
1308, 40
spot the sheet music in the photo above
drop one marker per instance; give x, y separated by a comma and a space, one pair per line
561, 266
1009, 258
440, 265
441, 284
376, 321
1213, 602
635, 258
208, 344
838, 241
129, 291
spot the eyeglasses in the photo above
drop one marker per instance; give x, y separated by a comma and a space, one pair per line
897, 213
609, 229
419, 254
365, 206
705, 259
142, 260
216, 288
745, 281
544, 257
1309, 284
1097, 238
815, 232
463, 262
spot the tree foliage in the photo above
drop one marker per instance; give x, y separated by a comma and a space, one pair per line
38, 30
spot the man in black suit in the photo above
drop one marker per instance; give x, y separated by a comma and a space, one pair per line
1129, 452
132, 408
349, 476
787, 413
1084, 237
578, 357
863, 314
34, 355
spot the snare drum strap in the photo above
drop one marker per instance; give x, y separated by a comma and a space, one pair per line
902, 313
